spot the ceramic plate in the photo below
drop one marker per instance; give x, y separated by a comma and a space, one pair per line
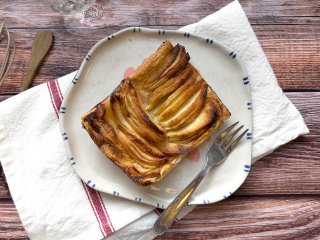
100, 73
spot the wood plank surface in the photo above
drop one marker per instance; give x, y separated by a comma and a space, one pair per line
281, 197
11, 226
4, 189
252, 218
293, 168
27, 13
238, 217
291, 50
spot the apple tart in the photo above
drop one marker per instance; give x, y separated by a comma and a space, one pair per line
156, 116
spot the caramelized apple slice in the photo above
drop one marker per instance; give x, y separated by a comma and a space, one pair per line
168, 87
139, 150
150, 70
171, 98
180, 101
189, 114
203, 122
178, 65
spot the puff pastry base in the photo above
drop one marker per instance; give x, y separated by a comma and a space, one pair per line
156, 116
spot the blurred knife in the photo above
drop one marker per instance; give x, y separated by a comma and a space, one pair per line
40, 46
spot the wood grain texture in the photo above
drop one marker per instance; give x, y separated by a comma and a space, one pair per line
4, 97
252, 218
40, 47
291, 50
4, 189
235, 218
4, 192
11, 226
295, 167
146, 13
281, 197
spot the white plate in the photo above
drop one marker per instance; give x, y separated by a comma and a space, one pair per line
100, 73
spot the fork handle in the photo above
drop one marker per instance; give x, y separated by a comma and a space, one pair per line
165, 220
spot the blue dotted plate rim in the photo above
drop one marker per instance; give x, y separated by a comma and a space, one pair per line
232, 53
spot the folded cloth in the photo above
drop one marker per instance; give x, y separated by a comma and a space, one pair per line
53, 203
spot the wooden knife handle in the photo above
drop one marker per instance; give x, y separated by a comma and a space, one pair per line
40, 46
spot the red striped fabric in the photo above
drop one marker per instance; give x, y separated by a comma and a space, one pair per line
99, 210
94, 196
53, 96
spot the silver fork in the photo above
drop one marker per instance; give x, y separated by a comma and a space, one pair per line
217, 153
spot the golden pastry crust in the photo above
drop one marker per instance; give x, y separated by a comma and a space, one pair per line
157, 115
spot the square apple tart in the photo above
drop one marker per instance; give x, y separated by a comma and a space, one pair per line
156, 116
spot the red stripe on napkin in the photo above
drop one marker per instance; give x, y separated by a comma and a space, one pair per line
52, 101
59, 91
99, 210
158, 211
54, 93
94, 196
93, 208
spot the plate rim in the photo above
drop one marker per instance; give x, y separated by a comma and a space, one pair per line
148, 30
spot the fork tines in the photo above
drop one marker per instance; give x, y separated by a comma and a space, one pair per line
224, 139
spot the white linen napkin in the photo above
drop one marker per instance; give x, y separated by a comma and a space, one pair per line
53, 203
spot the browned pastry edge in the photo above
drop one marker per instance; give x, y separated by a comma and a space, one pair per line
145, 126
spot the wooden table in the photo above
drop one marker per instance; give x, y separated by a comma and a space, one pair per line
281, 197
